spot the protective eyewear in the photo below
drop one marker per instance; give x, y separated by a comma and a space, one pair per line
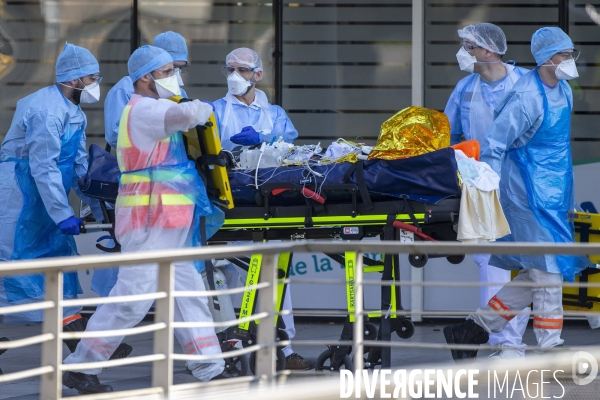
468, 46
183, 69
241, 70
96, 79
567, 55
165, 72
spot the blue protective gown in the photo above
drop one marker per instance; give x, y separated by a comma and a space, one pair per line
461, 107
42, 158
114, 104
243, 115
528, 145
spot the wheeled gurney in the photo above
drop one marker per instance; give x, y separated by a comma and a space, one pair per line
341, 201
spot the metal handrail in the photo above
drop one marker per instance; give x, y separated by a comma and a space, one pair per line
163, 357
317, 246
42, 305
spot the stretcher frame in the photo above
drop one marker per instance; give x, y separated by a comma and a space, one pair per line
353, 222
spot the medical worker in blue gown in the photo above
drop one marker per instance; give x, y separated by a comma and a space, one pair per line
41, 159
117, 98
528, 144
470, 111
246, 118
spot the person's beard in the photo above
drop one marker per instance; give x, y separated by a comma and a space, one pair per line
76, 96
152, 88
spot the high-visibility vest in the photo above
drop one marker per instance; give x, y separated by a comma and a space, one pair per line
153, 183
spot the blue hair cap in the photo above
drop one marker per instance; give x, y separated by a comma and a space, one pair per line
145, 60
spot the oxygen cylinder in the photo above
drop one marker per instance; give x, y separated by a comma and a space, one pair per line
226, 312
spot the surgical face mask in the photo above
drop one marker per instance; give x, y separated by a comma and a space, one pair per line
566, 70
90, 94
178, 75
237, 85
167, 87
466, 62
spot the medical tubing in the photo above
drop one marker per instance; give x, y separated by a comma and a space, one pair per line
262, 151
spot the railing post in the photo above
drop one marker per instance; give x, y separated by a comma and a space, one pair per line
359, 329
162, 371
51, 384
265, 357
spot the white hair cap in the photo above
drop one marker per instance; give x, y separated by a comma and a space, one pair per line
486, 35
245, 56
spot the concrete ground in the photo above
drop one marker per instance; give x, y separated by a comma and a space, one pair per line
139, 376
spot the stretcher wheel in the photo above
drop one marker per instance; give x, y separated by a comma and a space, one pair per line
418, 260
372, 357
406, 328
325, 362
279, 362
455, 259
370, 333
237, 366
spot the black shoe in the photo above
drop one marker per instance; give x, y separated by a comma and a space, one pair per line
224, 375
79, 325
84, 383
121, 352
466, 333
296, 362
3, 339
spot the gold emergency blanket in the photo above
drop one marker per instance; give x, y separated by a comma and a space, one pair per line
411, 132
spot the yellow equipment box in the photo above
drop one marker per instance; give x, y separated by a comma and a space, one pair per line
587, 229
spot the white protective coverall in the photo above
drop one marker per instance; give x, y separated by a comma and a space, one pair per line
470, 111
160, 200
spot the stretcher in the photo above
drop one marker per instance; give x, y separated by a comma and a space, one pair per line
351, 208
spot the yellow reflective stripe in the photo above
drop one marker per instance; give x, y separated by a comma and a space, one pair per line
133, 178
133, 200
123, 141
176, 200
144, 200
123, 138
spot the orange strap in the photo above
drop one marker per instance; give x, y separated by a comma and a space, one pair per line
70, 319
499, 306
547, 323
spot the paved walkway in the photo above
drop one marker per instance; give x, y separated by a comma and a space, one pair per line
139, 376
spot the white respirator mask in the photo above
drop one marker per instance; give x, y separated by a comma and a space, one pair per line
90, 94
566, 70
237, 85
178, 75
167, 87
466, 62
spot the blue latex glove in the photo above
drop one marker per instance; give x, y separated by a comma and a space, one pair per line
210, 103
70, 226
247, 137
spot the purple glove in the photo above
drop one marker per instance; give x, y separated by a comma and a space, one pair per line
247, 137
70, 226
210, 103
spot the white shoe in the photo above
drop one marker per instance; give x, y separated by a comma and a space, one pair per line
505, 354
